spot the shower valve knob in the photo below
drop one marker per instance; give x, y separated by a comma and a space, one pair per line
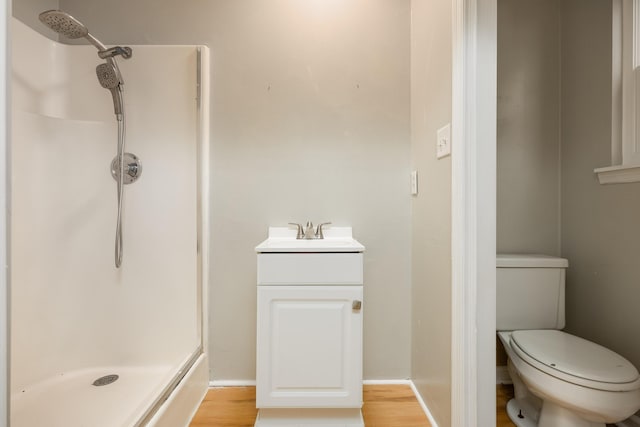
132, 168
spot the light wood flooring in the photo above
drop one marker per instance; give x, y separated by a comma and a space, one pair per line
384, 406
504, 392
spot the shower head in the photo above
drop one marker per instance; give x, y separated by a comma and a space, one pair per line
108, 73
109, 78
68, 26
63, 23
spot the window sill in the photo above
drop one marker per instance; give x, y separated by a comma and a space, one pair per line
621, 174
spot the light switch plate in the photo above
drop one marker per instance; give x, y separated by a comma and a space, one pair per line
443, 143
414, 183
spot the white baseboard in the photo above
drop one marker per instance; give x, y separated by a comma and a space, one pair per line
502, 375
425, 409
232, 383
386, 382
252, 383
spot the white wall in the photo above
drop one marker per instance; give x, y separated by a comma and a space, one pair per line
528, 206
431, 52
88, 313
309, 120
600, 230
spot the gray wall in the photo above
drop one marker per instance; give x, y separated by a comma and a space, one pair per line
555, 61
309, 120
600, 224
431, 208
528, 206
27, 11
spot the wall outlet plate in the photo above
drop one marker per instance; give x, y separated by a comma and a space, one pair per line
443, 143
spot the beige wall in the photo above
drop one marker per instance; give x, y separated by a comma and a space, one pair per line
600, 224
431, 209
309, 120
528, 205
27, 11
599, 231
528, 129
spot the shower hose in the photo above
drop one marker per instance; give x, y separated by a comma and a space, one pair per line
120, 185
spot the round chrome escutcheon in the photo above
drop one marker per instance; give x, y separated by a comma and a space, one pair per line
132, 168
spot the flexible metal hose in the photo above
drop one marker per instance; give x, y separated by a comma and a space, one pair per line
120, 183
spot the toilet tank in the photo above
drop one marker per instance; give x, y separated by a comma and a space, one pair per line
530, 292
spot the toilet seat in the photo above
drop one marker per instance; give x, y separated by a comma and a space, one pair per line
575, 360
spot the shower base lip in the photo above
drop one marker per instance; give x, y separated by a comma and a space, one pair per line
185, 399
71, 399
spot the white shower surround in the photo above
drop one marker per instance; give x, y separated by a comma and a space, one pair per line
74, 316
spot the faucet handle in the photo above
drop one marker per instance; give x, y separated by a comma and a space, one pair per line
300, 233
319, 234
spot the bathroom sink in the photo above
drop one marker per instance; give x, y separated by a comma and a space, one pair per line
336, 239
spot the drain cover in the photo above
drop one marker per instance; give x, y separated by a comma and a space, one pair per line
106, 380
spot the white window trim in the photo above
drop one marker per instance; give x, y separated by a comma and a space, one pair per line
625, 89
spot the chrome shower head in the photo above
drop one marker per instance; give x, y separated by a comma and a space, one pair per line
63, 23
109, 78
108, 73
68, 26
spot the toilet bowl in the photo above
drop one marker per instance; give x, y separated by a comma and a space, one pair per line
560, 380
579, 383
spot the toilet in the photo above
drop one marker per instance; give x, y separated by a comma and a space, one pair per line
560, 380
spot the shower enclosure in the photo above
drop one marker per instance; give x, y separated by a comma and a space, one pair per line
91, 344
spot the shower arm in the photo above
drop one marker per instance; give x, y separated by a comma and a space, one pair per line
94, 41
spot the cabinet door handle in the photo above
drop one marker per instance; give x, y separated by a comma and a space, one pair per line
356, 305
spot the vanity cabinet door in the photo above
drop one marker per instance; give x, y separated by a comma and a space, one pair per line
309, 349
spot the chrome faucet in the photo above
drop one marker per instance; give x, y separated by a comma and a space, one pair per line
307, 233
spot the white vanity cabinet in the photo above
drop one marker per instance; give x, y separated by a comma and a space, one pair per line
309, 348
309, 329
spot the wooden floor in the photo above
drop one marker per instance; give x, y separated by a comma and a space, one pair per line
503, 394
384, 406
392, 406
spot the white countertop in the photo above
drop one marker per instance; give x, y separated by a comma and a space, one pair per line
336, 239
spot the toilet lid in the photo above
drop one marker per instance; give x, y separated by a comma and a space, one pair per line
575, 360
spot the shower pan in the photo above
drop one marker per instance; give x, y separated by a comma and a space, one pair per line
92, 344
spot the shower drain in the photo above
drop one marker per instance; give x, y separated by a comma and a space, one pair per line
106, 380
